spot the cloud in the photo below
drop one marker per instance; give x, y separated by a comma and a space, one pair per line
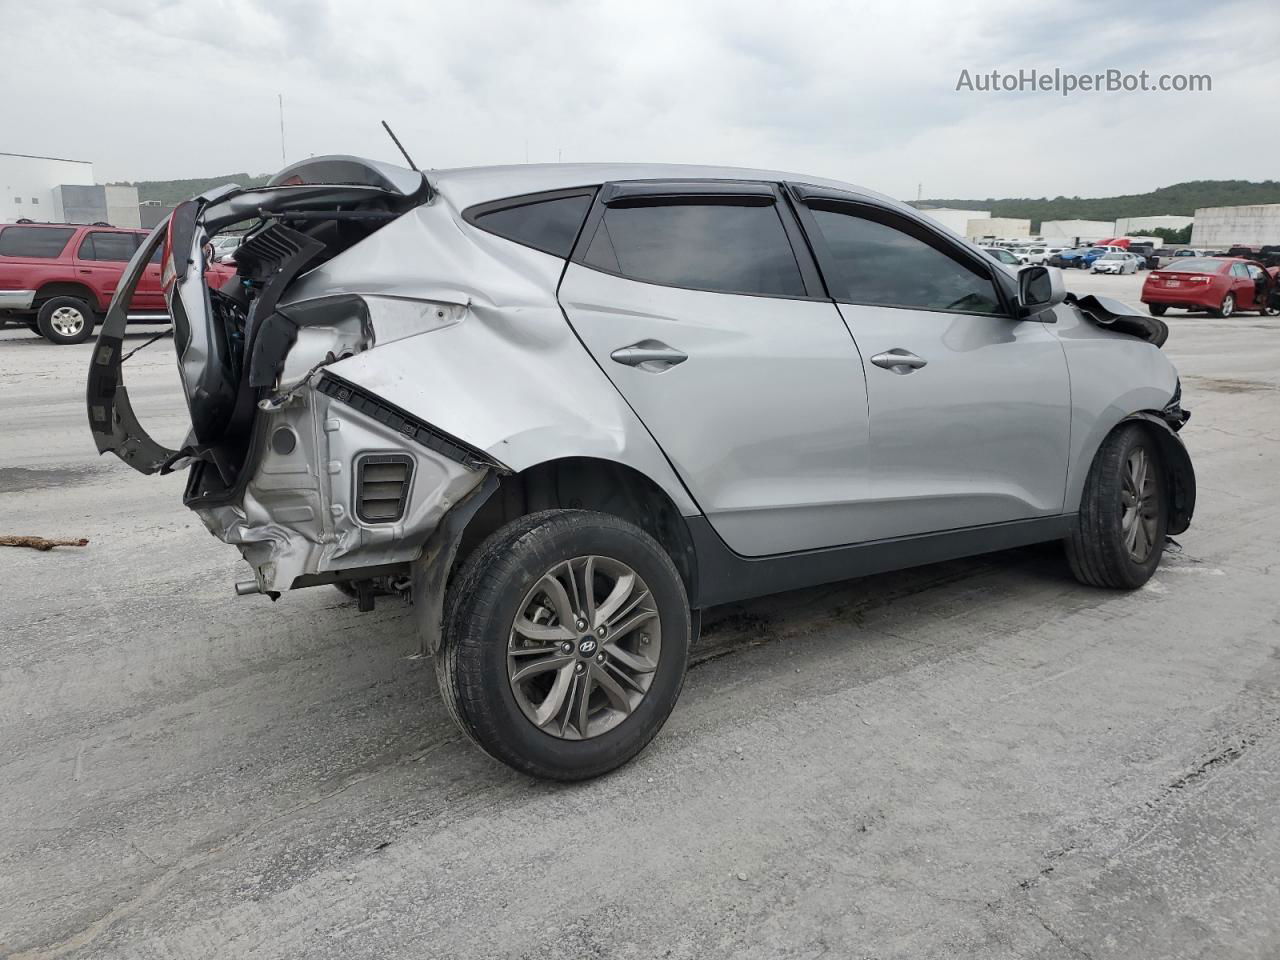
864, 93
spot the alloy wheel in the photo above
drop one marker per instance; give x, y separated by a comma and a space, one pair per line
1140, 496
67, 321
584, 647
1228, 305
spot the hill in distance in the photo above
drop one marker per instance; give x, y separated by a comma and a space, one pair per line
1180, 199
170, 192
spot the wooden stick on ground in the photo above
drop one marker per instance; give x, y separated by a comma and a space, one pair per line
39, 543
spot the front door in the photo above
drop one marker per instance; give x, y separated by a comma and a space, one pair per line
969, 406
700, 303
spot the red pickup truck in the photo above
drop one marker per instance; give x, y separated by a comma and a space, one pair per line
59, 277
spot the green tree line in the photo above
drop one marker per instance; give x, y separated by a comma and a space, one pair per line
170, 192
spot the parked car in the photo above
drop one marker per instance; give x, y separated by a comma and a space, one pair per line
1004, 256
58, 278
1221, 285
1115, 263
564, 408
1067, 258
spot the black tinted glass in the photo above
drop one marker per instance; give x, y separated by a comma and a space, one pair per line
44, 242
108, 246
880, 264
548, 225
729, 249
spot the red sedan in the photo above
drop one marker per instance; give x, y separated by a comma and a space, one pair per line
1221, 285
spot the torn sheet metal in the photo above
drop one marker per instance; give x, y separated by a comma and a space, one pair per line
1112, 314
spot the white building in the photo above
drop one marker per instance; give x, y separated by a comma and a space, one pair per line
1128, 225
1218, 228
1072, 232
957, 221
28, 184
989, 226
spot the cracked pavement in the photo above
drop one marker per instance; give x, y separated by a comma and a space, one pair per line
980, 758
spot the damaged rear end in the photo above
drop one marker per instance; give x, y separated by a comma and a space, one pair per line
315, 479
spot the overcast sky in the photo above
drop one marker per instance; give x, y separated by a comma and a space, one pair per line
860, 92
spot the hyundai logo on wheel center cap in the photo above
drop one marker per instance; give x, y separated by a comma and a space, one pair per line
587, 647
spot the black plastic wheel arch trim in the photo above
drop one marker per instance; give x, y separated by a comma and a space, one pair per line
407, 425
1180, 473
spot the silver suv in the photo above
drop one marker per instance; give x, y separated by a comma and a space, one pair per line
562, 409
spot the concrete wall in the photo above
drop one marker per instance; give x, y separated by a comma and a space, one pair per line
957, 221
1128, 225
150, 214
1067, 232
1221, 227
997, 227
27, 183
122, 206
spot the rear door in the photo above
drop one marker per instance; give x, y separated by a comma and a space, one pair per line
1242, 286
100, 260
969, 406
149, 296
701, 303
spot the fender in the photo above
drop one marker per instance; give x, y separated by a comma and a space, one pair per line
1180, 475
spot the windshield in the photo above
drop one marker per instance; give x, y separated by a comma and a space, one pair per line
1200, 265
1116, 256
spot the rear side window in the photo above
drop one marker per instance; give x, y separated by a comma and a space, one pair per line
549, 224
41, 242
897, 266
721, 247
114, 247
1239, 270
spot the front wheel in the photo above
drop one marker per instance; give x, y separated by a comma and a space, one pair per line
1228, 306
65, 320
567, 637
1118, 536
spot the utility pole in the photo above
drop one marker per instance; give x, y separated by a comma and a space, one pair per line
283, 161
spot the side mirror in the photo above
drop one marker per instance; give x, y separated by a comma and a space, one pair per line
1040, 288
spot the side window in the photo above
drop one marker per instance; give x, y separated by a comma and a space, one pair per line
550, 225
1239, 270
44, 243
114, 247
899, 265
717, 246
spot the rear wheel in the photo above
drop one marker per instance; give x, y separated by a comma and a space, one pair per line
1228, 305
1157, 309
65, 320
567, 636
1118, 537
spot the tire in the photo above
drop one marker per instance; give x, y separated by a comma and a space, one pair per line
508, 577
1228, 306
1157, 309
1110, 546
65, 320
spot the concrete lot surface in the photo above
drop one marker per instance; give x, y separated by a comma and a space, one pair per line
977, 759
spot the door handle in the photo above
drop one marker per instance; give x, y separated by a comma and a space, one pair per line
899, 361
651, 355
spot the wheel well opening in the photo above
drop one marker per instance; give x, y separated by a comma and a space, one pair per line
585, 483
1179, 475
62, 289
